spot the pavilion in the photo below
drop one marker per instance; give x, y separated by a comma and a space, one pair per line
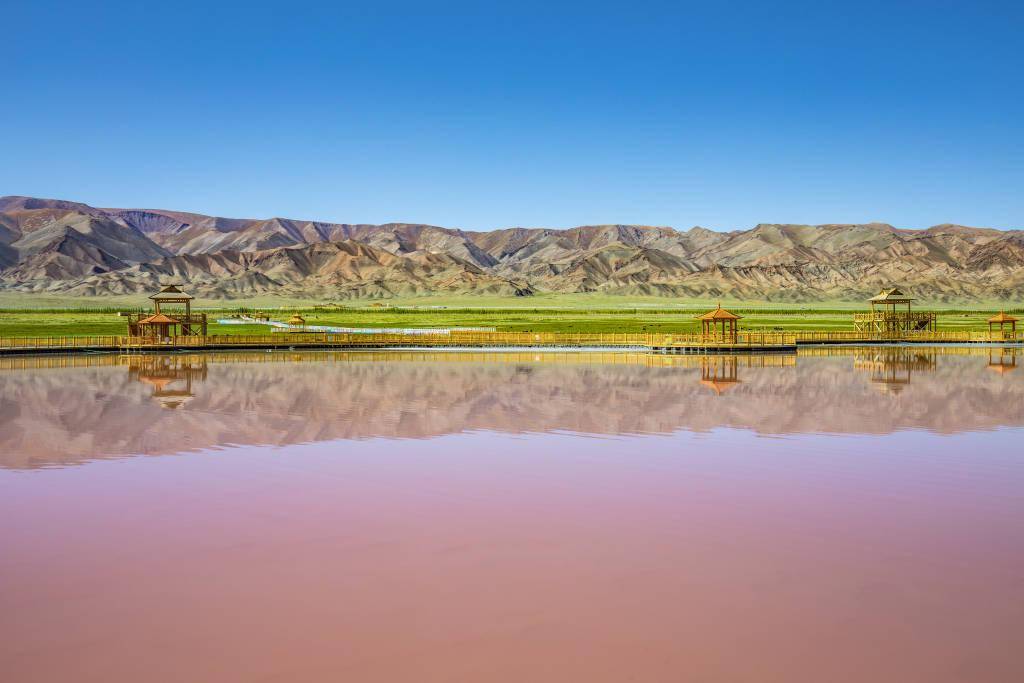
1002, 319
887, 318
719, 324
166, 323
158, 325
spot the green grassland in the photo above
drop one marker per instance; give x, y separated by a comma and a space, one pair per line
535, 314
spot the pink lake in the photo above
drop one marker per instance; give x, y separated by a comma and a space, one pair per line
845, 515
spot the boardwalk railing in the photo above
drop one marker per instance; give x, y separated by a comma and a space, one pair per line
942, 336
94, 342
464, 339
467, 339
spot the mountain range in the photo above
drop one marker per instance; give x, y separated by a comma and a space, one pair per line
64, 247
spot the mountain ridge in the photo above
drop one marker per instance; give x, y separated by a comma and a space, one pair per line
66, 247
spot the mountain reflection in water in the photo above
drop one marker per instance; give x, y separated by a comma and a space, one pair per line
64, 410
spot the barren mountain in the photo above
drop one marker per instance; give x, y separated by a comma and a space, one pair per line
345, 269
67, 243
67, 247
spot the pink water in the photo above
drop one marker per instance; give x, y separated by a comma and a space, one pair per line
512, 519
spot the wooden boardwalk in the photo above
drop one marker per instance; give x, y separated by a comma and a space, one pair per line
754, 342
744, 342
921, 337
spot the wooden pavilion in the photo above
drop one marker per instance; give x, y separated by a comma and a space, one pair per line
888, 319
297, 321
1002, 319
157, 325
165, 323
719, 325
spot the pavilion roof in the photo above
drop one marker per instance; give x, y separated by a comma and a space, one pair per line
892, 295
719, 314
296, 320
171, 292
158, 319
1001, 317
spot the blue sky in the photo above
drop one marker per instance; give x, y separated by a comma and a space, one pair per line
483, 115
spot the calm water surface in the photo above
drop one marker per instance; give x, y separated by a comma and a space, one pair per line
845, 515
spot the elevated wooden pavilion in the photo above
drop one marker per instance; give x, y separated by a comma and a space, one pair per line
158, 325
1002, 320
888, 319
168, 322
719, 324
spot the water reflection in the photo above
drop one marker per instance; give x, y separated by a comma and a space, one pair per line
61, 410
1002, 360
170, 376
720, 373
891, 368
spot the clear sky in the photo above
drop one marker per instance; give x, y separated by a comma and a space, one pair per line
483, 115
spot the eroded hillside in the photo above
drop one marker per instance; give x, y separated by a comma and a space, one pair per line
64, 247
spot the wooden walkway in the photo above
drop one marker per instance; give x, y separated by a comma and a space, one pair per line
921, 337
745, 342
663, 343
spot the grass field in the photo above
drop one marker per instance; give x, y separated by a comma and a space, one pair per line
669, 317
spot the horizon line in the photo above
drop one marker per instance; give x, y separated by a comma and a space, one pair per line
651, 226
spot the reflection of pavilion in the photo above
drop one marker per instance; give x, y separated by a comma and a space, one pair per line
1002, 360
170, 377
892, 368
719, 373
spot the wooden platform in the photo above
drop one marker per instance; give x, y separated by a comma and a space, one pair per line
711, 349
805, 338
663, 343
667, 344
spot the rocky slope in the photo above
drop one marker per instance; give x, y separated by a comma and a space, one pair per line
66, 247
